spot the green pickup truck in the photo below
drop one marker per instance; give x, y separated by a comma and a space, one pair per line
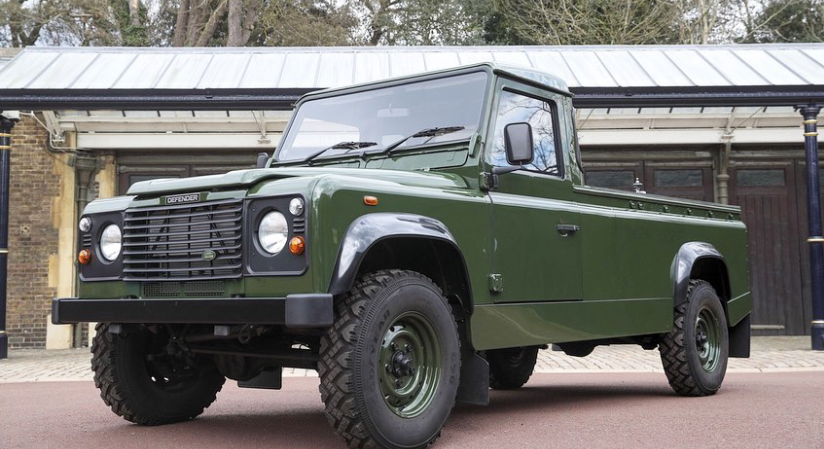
416, 241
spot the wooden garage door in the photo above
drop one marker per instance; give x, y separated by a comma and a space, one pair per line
768, 196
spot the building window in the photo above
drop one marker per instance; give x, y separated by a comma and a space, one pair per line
760, 178
611, 179
679, 178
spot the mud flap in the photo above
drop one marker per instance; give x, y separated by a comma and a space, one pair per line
474, 386
740, 339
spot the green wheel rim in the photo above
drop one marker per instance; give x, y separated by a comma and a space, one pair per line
707, 339
409, 369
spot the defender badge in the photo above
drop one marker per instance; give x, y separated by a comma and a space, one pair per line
208, 255
183, 198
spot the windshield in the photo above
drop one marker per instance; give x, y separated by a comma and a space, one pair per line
385, 116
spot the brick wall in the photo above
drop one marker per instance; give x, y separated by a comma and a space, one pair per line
32, 235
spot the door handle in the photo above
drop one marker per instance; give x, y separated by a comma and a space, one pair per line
567, 229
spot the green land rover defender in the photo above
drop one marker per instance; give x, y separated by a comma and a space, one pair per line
416, 241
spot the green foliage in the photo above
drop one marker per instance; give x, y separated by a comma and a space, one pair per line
131, 35
791, 21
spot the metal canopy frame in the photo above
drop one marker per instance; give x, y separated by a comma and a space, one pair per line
281, 99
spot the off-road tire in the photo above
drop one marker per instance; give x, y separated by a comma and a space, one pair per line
351, 385
680, 351
125, 385
510, 368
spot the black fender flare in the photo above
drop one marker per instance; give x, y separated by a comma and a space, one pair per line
682, 266
369, 229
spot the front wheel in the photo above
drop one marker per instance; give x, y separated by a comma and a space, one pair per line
390, 364
695, 351
146, 383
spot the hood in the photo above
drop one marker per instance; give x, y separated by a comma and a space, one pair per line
247, 178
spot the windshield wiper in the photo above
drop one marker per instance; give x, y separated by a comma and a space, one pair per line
429, 132
339, 146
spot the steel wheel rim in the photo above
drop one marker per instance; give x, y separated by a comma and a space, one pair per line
707, 339
409, 367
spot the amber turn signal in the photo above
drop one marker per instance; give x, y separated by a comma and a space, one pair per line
370, 200
297, 245
84, 257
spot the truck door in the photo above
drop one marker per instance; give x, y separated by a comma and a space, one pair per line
536, 233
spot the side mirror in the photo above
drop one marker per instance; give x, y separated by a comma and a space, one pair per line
262, 159
518, 143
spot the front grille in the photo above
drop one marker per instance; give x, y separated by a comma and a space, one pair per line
168, 243
193, 289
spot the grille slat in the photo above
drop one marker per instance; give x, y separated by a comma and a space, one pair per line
161, 231
196, 214
179, 224
163, 243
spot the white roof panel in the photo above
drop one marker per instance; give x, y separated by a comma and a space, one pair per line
440, 60
770, 68
63, 71
801, 64
588, 69
263, 71
512, 57
624, 69
661, 69
104, 71
144, 71
733, 68
225, 71
321, 67
336, 69
300, 70
552, 62
26, 68
407, 63
474, 57
185, 71
371, 66
696, 68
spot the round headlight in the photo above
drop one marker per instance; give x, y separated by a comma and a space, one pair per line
296, 206
111, 242
85, 224
273, 232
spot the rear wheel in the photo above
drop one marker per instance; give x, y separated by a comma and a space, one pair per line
390, 364
145, 383
695, 351
510, 368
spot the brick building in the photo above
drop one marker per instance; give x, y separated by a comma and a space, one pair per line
62, 157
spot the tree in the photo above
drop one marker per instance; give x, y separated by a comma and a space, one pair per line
789, 21
420, 22
304, 23
590, 22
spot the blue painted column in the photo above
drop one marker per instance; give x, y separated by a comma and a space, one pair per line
816, 238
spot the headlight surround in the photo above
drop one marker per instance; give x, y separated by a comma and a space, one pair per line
111, 242
273, 232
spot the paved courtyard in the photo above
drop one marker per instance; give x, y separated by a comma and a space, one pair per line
769, 354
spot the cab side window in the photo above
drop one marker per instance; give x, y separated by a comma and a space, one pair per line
514, 108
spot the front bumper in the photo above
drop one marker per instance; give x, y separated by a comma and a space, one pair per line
299, 311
